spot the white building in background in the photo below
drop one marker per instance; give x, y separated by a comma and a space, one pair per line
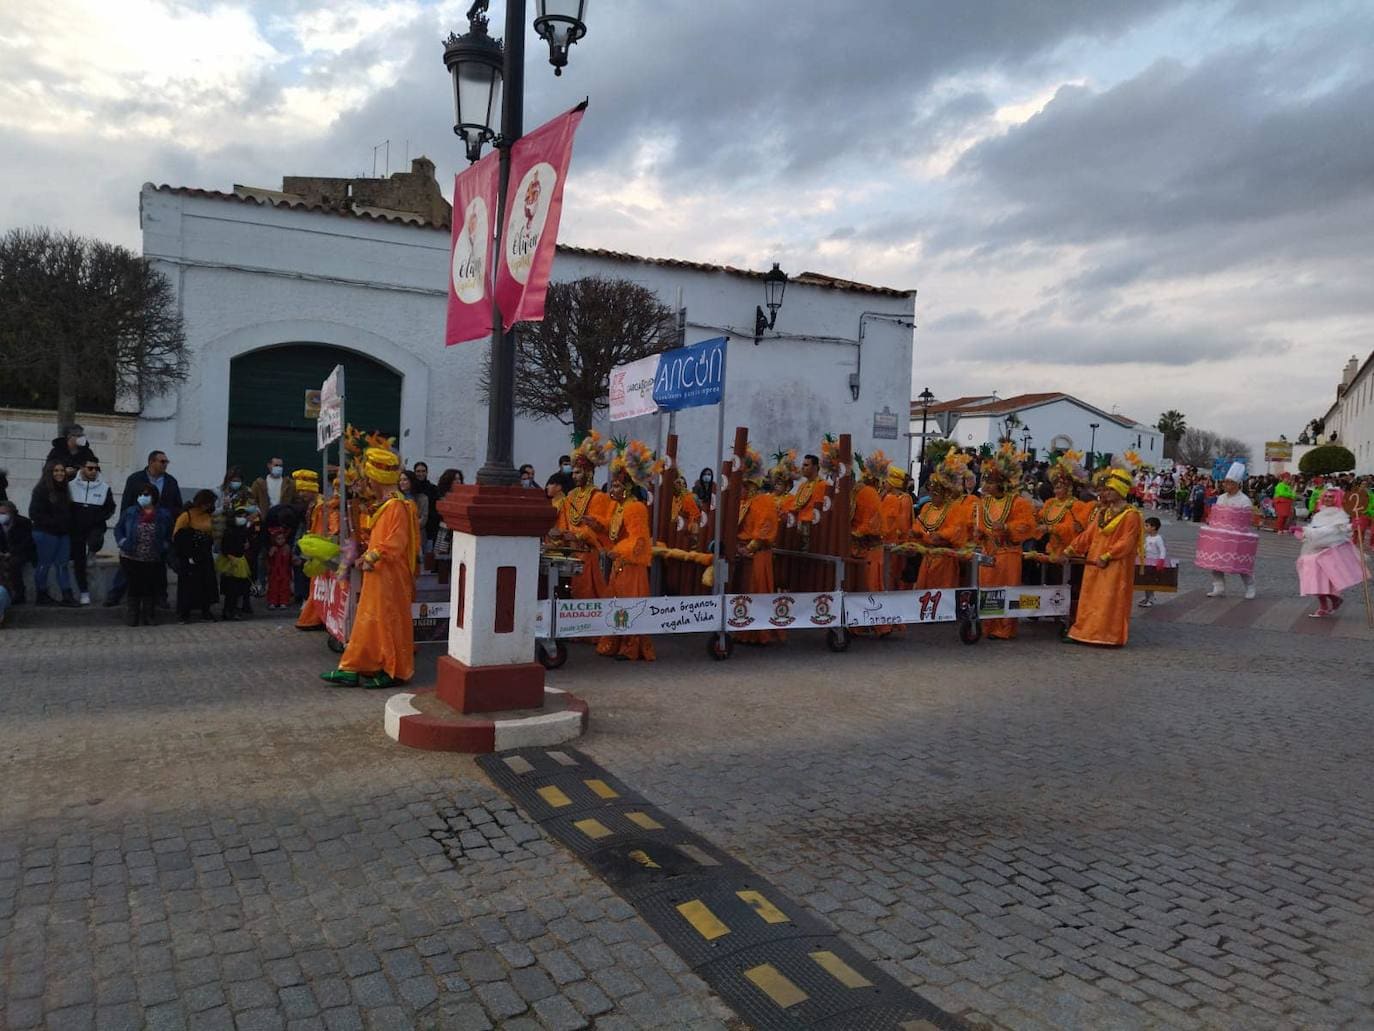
1051, 422
1351, 417
276, 288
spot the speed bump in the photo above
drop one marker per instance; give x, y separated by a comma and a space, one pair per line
774, 962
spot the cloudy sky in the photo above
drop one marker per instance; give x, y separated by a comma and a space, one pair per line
1148, 204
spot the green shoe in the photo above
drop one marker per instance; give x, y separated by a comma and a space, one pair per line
340, 678
379, 681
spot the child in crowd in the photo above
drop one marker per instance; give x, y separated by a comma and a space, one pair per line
278, 569
1329, 562
235, 576
1156, 555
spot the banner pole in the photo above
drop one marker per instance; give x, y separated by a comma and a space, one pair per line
722, 568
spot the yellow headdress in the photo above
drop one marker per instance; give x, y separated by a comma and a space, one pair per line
381, 465
306, 480
1117, 477
783, 470
896, 476
751, 465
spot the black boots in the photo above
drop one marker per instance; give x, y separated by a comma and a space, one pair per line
69, 600
150, 612
141, 611
133, 609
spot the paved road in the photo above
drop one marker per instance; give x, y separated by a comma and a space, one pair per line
194, 833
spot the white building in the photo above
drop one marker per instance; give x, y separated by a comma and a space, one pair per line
1051, 422
275, 290
1351, 417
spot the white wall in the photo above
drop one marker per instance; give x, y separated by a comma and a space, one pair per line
250, 276
1352, 420
1061, 418
26, 436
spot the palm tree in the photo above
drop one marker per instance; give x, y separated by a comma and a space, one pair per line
1173, 424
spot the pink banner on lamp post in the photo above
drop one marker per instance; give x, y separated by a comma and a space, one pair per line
538, 170
469, 283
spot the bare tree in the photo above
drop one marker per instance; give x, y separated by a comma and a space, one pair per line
1196, 447
82, 321
1231, 447
563, 364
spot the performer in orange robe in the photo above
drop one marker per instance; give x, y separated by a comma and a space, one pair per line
809, 495
1064, 516
307, 483
381, 646
897, 524
583, 518
757, 533
866, 535
1005, 521
1112, 546
946, 521
631, 550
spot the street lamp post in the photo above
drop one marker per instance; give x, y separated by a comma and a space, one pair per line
1025, 438
926, 398
1092, 447
484, 70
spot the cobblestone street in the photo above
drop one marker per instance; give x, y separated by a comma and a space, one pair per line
194, 832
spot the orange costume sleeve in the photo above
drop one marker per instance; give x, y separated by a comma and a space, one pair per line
1003, 542
809, 499
867, 520
897, 517
633, 546
758, 525
1104, 600
383, 638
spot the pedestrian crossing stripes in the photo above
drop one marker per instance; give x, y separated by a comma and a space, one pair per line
1272, 613
776, 965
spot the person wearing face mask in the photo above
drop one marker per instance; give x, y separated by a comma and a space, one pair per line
564, 476
72, 449
143, 534
235, 574
273, 489
703, 489
419, 501
168, 494
192, 544
233, 493
92, 505
50, 510
419, 477
527, 477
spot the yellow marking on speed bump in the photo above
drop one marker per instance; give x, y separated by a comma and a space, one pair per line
778, 988
642, 858
644, 820
702, 857
593, 828
770, 913
554, 797
703, 921
840, 970
601, 788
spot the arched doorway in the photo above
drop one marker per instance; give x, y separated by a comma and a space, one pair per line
267, 402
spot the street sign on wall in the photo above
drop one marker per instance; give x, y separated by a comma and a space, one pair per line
329, 423
885, 424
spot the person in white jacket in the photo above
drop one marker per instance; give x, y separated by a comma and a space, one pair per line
1156, 554
1329, 562
92, 505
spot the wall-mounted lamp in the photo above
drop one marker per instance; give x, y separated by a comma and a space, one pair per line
774, 286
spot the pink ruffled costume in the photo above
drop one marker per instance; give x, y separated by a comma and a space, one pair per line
1330, 561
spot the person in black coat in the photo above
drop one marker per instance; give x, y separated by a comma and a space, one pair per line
169, 501
16, 542
50, 509
72, 449
192, 538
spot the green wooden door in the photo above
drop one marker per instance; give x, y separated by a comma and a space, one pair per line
267, 402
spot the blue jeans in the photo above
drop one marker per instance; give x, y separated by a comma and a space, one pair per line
54, 551
4, 601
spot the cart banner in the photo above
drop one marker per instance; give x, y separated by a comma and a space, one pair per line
691, 376
534, 202
1023, 602
598, 617
331, 598
543, 619
782, 611
632, 388
890, 608
430, 620
469, 283
329, 420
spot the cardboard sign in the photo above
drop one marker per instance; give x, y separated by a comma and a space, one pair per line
782, 611
890, 608
331, 598
601, 617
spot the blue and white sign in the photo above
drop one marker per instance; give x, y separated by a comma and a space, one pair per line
690, 376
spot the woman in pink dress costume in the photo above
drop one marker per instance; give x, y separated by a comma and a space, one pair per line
1228, 541
1329, 562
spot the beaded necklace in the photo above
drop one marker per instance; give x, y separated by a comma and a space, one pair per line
575, 513
941, 511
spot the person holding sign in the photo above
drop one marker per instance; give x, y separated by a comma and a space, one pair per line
1006, 520
381, 647
631, 545
757, 533
1111, 547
